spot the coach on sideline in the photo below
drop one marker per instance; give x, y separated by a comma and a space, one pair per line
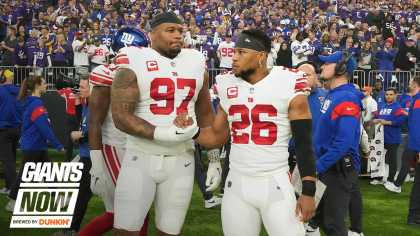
413, 218
336, 143
10, 123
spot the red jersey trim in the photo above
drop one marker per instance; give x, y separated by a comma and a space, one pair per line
37, 112
345, 109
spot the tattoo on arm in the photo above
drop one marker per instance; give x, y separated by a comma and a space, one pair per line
125, 96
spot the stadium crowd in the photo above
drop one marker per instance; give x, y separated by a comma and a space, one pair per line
383, 36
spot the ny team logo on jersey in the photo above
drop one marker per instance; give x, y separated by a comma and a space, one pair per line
152, 65
127, 38
232, 92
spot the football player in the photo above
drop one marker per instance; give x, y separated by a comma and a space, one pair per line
150, 88
262, 110
107, 143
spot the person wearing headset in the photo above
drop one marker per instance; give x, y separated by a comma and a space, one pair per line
336, 142
10, 123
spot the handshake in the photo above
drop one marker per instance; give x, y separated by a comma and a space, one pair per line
184, 128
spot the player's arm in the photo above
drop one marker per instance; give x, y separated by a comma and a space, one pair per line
203, 106
125, 95
99, 101
301, 124
210, 137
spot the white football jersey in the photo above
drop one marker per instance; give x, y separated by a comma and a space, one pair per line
103, 75
80, 57
167, 88
299, 48
259, 119
226, 54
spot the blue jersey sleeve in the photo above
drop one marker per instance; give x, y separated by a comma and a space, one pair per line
40, 118
345, 120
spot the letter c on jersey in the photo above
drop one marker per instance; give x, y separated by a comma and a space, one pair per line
152, 65
232, 92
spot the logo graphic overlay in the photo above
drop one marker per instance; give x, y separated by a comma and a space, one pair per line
42, 183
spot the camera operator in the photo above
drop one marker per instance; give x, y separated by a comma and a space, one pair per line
71, 120
10, 123
85, 194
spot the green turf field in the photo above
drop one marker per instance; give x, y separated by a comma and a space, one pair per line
385, 213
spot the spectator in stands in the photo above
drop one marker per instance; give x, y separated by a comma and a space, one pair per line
144, 24
271, 58
42, 58
371, 108
107, 37
98, 54
351, 47
349, 34
10, 123
60, 51
33, 26
300, 50
284, 56
325, 47
36, 130
391, 116
406, 57
22, 33
20, 58
96, 30
49, 40
80, 50
7, 47
4, 23
32, 45
225, 53
386, 56
69, 33
366, 59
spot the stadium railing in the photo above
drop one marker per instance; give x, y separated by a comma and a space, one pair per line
398, 80
212, 75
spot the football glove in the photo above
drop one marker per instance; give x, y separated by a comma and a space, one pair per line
98, 179
214, 173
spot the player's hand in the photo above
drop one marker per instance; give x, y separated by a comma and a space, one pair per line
174, 133
366, 155
307, 206
62, 151
98, 182
376, 121
183, 120
214, 173
76, 135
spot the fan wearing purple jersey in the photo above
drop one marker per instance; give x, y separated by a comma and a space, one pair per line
313, 42
399, 32
356, 14
343, 9
41, 58
32, 46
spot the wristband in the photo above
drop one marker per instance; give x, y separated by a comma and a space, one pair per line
197, 134
308, 188
214, 155
96, 159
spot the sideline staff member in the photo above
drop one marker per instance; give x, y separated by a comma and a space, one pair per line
414, 144
10, 123
336, 143
85, 194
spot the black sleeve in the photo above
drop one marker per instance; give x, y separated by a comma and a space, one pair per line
305, 153
79, 109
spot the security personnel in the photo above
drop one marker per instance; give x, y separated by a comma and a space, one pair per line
414, 144
391, 115
10, 123
85, 193
336, 143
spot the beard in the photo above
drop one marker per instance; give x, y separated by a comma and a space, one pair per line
245, 74
174, 52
